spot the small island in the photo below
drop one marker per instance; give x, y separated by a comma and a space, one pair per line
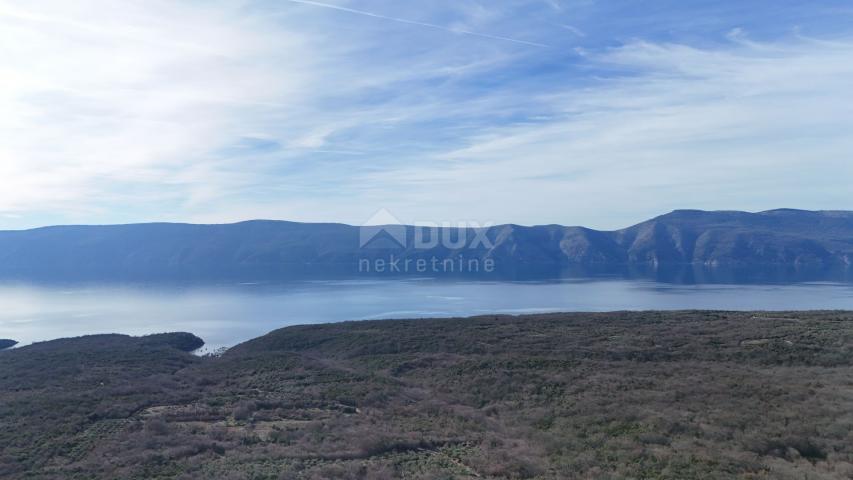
6, 343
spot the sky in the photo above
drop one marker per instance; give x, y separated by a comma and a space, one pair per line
577, 112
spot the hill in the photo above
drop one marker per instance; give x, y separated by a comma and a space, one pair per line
789, 238
669, 395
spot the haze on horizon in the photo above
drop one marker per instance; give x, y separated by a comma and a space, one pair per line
574, 112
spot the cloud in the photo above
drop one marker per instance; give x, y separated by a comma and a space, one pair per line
108, 108
460, 30
235, 109
574, 30
747, 126
134, 96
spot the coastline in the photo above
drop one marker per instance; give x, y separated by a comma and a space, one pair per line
568, 395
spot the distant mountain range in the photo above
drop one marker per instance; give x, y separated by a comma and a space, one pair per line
277, 248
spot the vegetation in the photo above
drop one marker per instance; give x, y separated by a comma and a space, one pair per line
708, 245
652, 395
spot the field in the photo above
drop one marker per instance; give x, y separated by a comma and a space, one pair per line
645, 395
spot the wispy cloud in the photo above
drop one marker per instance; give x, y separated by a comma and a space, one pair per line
706, 128
226, 110
420, 24
574, 30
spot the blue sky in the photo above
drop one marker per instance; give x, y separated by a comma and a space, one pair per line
529, 111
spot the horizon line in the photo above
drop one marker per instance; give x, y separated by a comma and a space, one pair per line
251, 220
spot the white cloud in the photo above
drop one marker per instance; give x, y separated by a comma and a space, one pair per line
749, 126
107, 107
232, 109
94, 96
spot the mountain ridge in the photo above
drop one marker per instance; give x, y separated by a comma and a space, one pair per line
682, 237
270, 220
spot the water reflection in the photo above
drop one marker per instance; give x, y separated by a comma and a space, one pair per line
226, 313
675, 274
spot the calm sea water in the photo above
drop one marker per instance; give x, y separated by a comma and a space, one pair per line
228, 314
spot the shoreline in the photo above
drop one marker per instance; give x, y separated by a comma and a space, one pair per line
673, 394
218, 349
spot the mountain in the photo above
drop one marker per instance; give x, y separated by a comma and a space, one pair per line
277, 248
775, 237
